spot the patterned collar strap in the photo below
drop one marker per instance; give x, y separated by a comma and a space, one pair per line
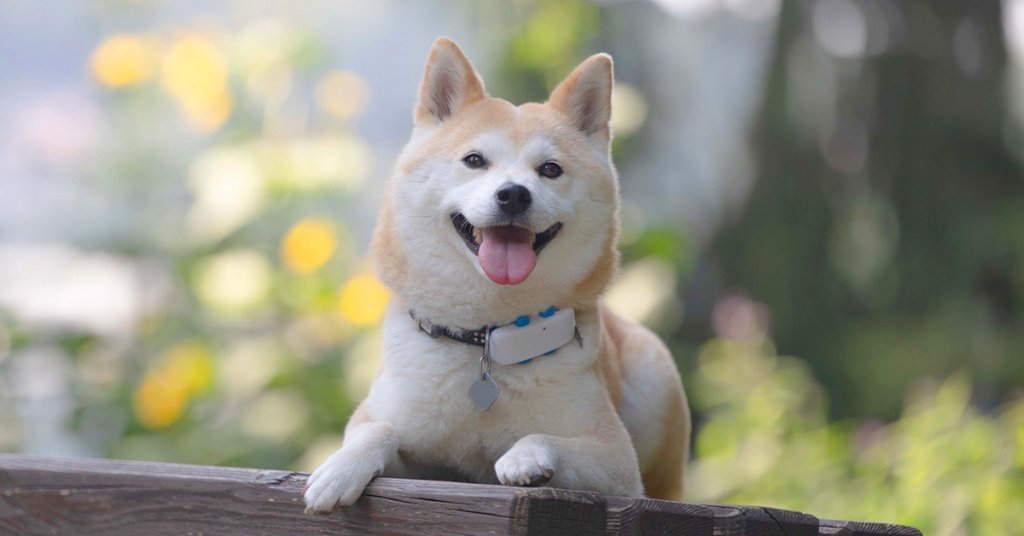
476, 337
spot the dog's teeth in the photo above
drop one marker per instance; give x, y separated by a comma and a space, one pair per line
478, 235
534, 239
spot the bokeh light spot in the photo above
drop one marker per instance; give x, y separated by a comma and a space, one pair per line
206, 115
183, 370
342, 94
643, 287
308, 245
840, 28
629, 109
122, 60
363, 300
247, 365
195, 74
191, 363
341, 162
276, 415
234, 282
158, 403
228, 186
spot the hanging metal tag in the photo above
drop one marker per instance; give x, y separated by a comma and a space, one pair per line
484, 390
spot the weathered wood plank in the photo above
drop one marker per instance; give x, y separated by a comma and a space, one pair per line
729, 521
81, 496
860, 528
551, 511
762, 521
628, 516
85, 496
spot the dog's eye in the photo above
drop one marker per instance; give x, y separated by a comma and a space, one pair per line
474, 161
550, 170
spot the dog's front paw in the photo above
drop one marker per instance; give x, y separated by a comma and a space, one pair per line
338, 482
527, 463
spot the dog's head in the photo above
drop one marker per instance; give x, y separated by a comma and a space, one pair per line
496, 205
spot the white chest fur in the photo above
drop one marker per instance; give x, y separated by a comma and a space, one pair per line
422, 386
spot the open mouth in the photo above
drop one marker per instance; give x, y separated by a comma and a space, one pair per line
507, 253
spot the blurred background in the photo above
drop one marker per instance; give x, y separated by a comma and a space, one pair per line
823, 216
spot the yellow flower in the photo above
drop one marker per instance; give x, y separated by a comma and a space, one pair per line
191, 364
363, 300
182, 371
308, 245
195, 73
194, 69
158, 403
122, 60
206, 115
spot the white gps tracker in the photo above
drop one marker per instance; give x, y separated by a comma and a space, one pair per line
514, 344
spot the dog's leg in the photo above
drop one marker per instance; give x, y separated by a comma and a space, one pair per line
368, 449
606, 464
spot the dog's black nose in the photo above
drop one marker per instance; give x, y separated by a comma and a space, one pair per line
513, 198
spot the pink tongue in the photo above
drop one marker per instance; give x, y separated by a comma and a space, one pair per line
506, 254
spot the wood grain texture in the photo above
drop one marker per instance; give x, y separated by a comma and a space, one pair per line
630, 516
558, 511
774, 522
861, 528
64, 496
729, 521
86, 496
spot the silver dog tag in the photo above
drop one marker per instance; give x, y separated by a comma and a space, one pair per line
483, 392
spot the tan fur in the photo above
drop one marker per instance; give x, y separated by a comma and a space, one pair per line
664, 478
461, 81
663, 473
609, 415
387, 256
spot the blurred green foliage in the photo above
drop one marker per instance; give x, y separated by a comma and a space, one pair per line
942, 467
544, 47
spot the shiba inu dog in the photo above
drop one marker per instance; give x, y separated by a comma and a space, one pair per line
497, 235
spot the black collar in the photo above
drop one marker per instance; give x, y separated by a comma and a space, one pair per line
476, 337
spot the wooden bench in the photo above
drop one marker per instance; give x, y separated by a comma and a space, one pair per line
87, 496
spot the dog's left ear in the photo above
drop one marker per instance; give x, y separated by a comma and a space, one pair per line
449, 84
586, 97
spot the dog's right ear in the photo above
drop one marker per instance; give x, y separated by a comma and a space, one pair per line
449, 84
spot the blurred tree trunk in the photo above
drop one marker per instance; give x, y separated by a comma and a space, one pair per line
886, 238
